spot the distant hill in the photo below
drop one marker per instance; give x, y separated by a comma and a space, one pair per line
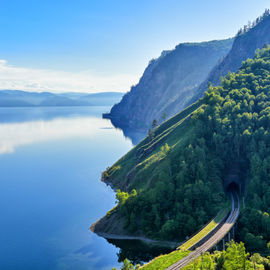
174, 76
18, 98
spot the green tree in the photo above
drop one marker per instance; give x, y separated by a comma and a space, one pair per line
164, 117
236, 257
154, 124
151, 134
127, 265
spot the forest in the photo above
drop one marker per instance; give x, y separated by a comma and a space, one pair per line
228, 128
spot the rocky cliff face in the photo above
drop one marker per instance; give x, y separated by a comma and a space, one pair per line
244, 47
171, 79
181, 76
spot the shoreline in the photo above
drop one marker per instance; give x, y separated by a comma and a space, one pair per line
115, 236
170, 244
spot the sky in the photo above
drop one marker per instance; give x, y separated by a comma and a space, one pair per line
104, 45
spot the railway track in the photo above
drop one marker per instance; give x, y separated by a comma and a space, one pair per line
213, 240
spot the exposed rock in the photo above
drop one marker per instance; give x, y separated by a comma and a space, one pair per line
244, 47
174, 76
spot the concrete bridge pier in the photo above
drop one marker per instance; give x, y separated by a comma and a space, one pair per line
227, 238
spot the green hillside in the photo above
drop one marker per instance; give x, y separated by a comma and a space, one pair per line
172, 182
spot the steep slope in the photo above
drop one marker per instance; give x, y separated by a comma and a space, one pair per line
174, 74
248, 40
175, 180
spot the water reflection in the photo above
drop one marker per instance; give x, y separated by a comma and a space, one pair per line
13, 135
138, 252
50, 190
134, 134
26, 114
35, 116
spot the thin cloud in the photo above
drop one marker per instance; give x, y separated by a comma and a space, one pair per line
29, 79
13, 135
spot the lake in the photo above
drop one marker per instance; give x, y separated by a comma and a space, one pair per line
51, 160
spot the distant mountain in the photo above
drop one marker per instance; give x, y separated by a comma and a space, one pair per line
174, 76
105, 98
18, 98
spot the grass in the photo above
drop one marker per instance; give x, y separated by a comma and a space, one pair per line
163, 261
164, 130
178, 117
151, 166
110, 212
207, 229
143, 158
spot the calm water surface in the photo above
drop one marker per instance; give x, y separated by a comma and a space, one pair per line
51, 160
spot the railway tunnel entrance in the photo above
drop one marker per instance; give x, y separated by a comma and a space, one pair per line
233, 186
233, 182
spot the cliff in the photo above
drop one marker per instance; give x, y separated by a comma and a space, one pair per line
175, 75
244, 46
180, 77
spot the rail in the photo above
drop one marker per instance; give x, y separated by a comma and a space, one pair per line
213, 240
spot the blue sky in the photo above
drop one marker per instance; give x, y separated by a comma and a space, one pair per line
105, 45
